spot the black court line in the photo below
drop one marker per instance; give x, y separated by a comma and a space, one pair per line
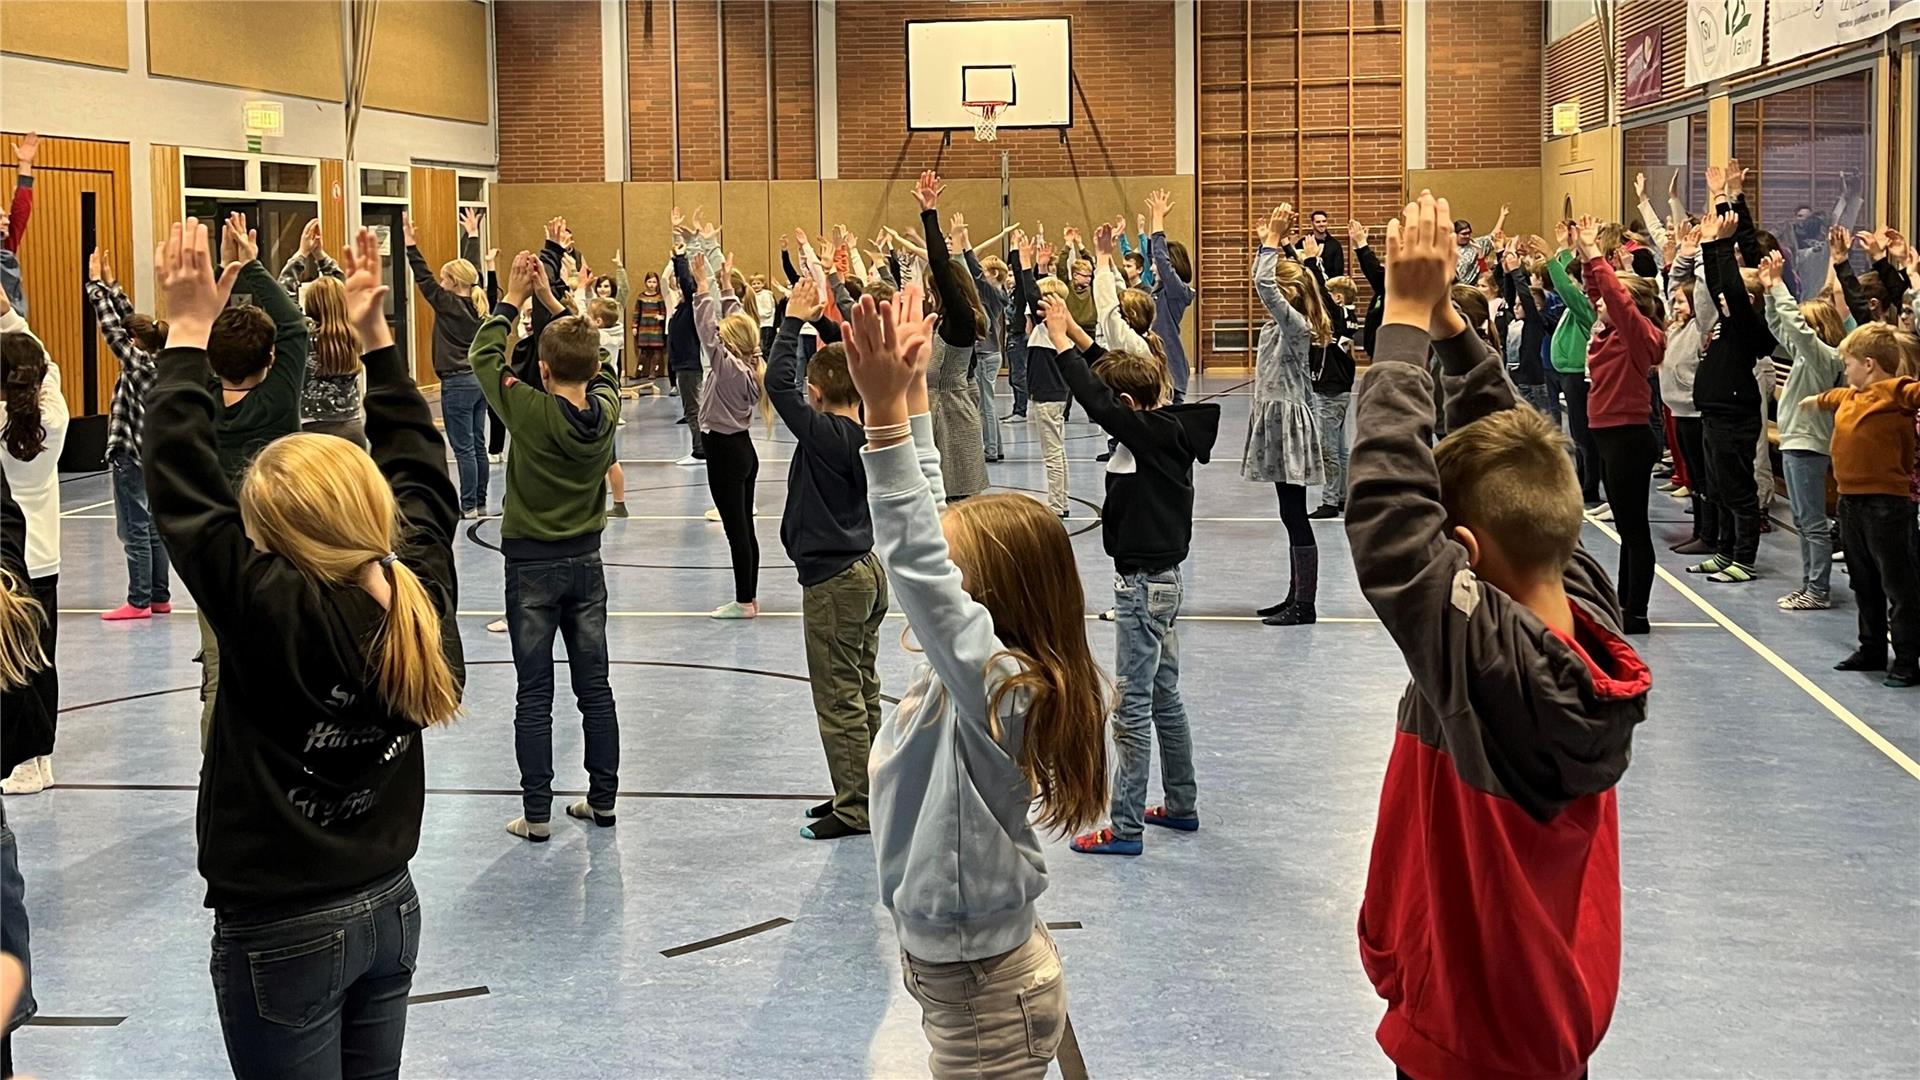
1221, 393
718, 796
82, 476
1073, 925
473, 534
708, 943
448, 995
1072, 1065
129, 697
76, 1021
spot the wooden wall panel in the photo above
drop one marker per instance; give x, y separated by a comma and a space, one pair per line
430, 59
1477, 196
333, 203
165, 201
50, 29
288, 47
436, 221
53, 256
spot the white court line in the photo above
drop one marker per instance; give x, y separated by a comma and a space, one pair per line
1840, 712
89, 506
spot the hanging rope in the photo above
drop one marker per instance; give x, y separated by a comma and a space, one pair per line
357, 57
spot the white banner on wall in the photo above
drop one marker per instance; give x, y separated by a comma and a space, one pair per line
1798, 27
1723, 37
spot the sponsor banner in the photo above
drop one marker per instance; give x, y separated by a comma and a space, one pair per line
1723, 37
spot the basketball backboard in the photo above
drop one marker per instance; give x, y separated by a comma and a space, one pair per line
1026, 63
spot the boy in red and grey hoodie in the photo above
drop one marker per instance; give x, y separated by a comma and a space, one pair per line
1491, 922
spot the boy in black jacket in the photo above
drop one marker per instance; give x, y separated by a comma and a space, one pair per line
828, 531
1147, 527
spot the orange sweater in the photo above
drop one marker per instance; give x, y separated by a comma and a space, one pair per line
1873, 436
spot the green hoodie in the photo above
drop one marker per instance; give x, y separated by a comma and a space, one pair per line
1569, 347
557, 462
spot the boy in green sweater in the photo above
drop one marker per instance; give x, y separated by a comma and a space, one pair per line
1568, 352
557, 464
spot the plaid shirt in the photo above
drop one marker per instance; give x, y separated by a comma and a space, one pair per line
128, 413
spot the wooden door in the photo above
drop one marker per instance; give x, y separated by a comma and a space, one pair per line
81, 200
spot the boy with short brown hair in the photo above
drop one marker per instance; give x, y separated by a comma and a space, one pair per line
1491, 921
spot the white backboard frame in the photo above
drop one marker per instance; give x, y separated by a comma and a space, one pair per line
1038, 52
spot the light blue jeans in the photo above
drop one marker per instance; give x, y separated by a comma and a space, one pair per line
465, 412
1331, 411
1807, 490
986, 376
1147, 668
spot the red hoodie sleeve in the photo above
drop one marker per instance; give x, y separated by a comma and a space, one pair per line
22, 210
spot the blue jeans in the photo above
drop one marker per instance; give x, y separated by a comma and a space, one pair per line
1807, 490
14, 936
568, 596
1017, 369
1331, 411
318, 992
987, 377
465, 412
1542, 397
1147, 668
133, 524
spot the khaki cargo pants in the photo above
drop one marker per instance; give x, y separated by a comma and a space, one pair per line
842, 618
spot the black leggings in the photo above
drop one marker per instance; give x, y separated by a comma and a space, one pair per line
732, 467
1293, 514
1693, 451
1587, 455
1627, 455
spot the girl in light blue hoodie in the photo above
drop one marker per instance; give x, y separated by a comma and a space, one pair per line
1007, 714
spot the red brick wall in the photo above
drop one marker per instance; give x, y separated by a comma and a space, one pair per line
697, 40
1483, 84
794, 156
649, 91
1122, 105
548, 56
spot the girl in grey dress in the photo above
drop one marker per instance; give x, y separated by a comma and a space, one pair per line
951, 392
1283, 438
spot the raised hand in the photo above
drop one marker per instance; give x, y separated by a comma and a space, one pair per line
1043, 254
245, 246
1839, 244
1875, 242
1356, 234
879, 372
1640, 186
1071, 236
406, 230
93, 265
106, 269
1310, 247
1589, 236
470, 222
1690, 241
1537, 245
1420, 262
1896, 247
183, 269
804, 302
726, 273
1159, 203
1285, 219
1772, 265
489, 257
710, 231
1716, 180
526, 269
1103, 241
1510, 259
25, 151
962, 239
1736, 177
1023, 244
310, 239
366, 291
557, 231
1715, 225
1058, 317
928, 190
678, 220
1140, 224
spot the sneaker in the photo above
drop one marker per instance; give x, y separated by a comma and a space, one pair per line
496, 459
713, 513
733, 609
1692, 546
1326, 511
682, 420
537, 831
619, 510
1014, 418
470, 514
1157, 815
1713, 565
1682, 492
1063, 514
1860, 660
1899, 678
27, 778
585, 812
1109, 615
1668, 488
127, 612
691, 460
1804, 600
1734, 574
1635, 625
831, 828
1104, 455
1103, 842
995, 459
1603, 512
497, 626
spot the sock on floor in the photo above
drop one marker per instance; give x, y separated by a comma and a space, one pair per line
831, 827
537, 831
584, 811
821, 810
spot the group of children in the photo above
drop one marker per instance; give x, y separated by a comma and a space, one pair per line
1525, 690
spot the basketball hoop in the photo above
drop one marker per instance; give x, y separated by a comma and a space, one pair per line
986, 126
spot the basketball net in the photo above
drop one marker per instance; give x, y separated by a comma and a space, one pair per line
986, 126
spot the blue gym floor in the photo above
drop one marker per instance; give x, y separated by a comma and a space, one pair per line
1771, 850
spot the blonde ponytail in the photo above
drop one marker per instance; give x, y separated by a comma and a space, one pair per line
410, 661
465, 275
21, 617
321, 504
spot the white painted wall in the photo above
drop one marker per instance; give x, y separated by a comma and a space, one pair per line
60, 99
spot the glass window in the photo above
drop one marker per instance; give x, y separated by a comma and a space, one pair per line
288, 177
1811, 149
388, 183
217, 174
473, 189
1662, 150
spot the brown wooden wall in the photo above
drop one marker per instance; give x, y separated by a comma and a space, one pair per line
53, 256
436, 219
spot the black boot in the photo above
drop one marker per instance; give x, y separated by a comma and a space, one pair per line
1283, 605
1306, 588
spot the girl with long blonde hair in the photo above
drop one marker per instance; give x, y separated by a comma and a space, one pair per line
329, 583
733, 390
330, 398
459, 307
1002, 726
1283, 436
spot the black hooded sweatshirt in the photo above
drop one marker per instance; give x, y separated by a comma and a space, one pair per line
1147, 522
